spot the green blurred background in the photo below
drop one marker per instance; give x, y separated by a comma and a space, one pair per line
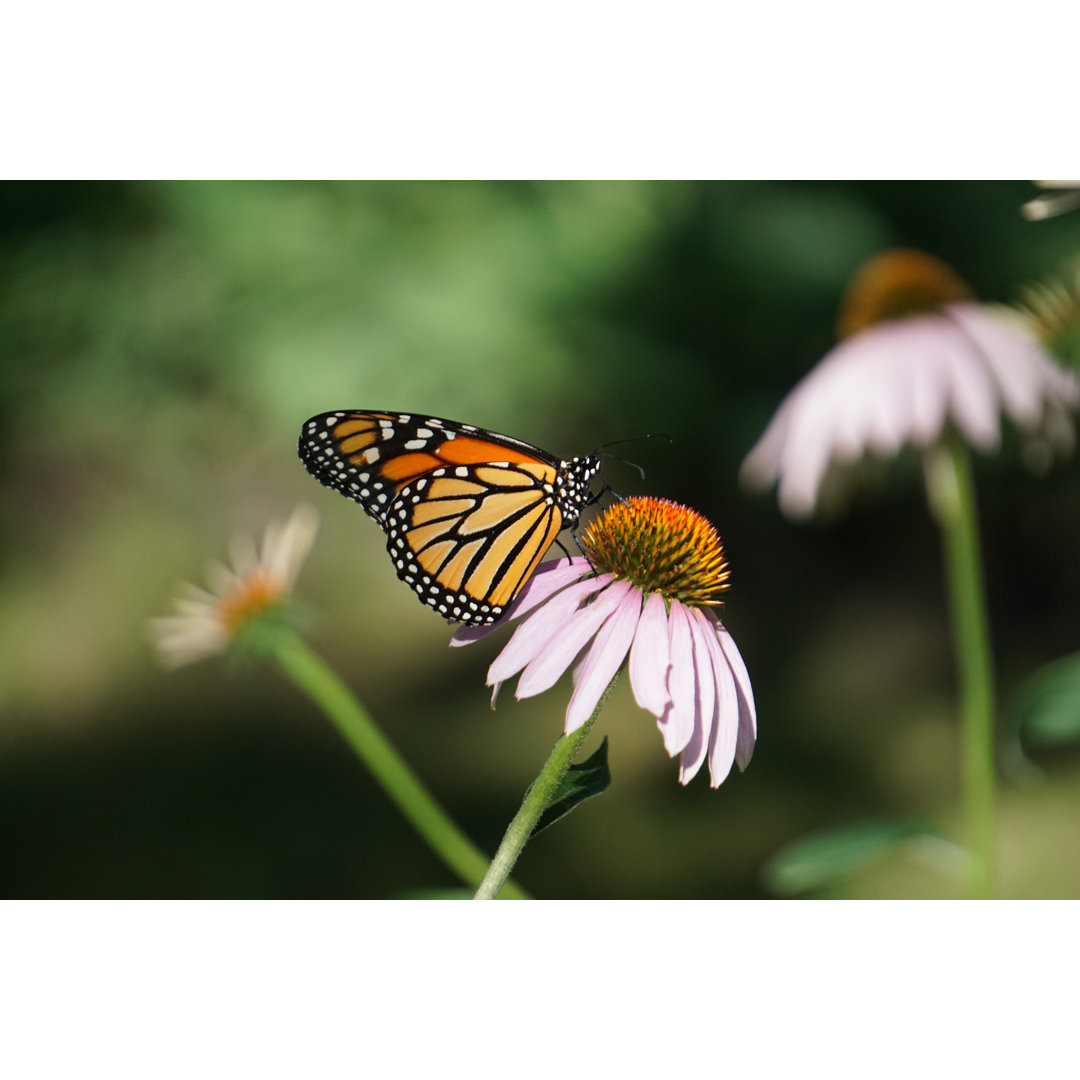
163, 342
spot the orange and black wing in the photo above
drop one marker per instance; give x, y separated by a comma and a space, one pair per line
468, 513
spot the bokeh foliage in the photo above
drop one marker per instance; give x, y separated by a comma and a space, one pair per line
162, 344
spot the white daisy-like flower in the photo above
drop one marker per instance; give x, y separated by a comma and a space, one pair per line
647, 595
919, 358
205, 622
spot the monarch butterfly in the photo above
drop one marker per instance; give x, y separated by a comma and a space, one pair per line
467, 513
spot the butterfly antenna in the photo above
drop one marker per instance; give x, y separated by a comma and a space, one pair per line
625, 461
594, 497
634, 438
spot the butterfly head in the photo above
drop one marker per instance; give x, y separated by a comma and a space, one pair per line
575, 482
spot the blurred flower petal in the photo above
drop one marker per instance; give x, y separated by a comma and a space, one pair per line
900, 382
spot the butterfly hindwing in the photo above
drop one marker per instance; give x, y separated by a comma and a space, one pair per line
468, 513
466, 540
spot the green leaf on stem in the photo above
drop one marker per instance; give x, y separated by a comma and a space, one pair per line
822, 858
581, 782
1047, 708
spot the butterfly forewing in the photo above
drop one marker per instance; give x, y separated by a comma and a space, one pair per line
468, 513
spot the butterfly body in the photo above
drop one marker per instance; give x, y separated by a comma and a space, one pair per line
467, 513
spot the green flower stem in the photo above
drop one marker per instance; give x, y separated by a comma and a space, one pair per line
952, 501
314, 678
536, 801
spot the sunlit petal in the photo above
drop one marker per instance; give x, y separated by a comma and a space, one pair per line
693, 754
744, 748
533, 636
650, 656
561, 650
603, 660
723, 737
677, 723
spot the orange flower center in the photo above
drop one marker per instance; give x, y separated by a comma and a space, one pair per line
659, 545
252, 596
897, 285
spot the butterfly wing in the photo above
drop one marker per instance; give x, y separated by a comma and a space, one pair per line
468, 513
467, 539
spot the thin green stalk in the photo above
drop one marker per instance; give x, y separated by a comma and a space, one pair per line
536, 801
398, 780
952, 500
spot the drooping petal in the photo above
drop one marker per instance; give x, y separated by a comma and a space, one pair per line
604, 659
677, 723
761, 466
972, 397
826, 409
560, 651
650, 656
532, 636
723, 738
693, 754
744, 748
929, 398
900, 381
1025, 378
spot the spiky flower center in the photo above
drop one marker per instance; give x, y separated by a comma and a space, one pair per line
659, 546
897, 285
251, 597
1052, 309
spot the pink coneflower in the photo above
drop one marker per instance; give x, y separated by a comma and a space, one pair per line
918, 358
257, 584
649, 590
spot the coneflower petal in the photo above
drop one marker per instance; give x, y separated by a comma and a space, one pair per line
603, 660
560, 650
677, 723
532, 636
723, 738
650, 657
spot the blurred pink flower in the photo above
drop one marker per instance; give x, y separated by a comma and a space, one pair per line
205, 623
905, 376
661, 568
